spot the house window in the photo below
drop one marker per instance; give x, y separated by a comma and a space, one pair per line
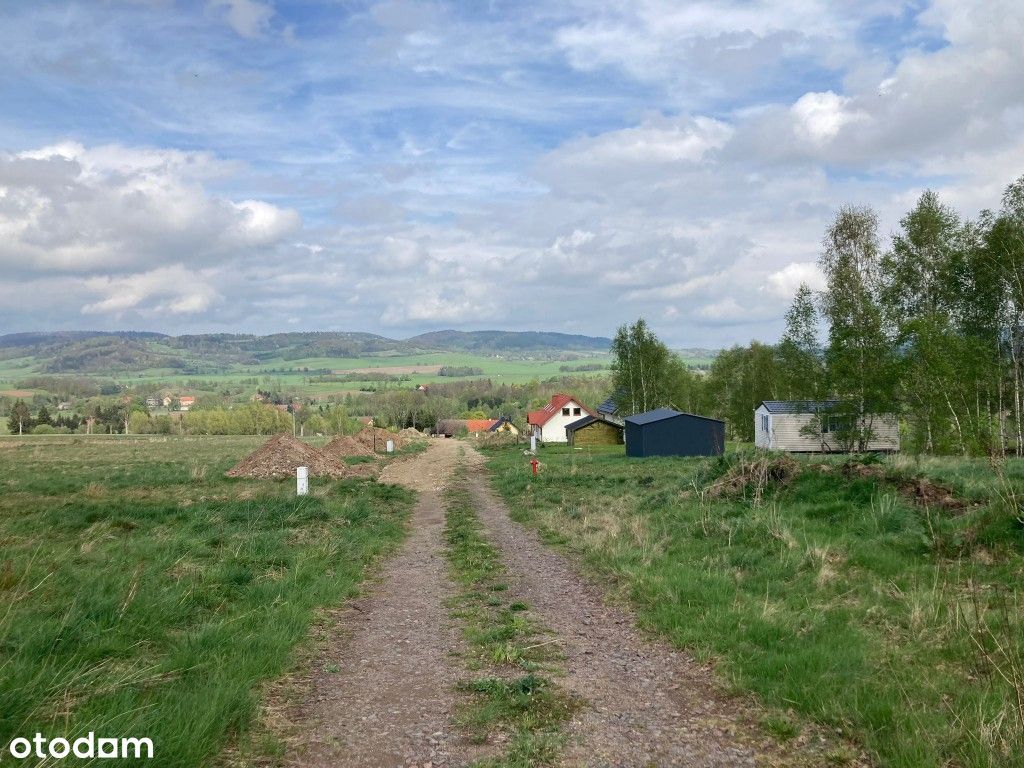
576, 411
764, 422
565, 411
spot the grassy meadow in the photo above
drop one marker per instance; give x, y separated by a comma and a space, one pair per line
144, 594
833, 598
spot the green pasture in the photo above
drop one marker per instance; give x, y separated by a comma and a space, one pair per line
837, 600
142, 593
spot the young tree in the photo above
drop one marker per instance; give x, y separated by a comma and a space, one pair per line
917, 295
20, 420
800, 356
739, 379
643, 370
43, 417
859, 354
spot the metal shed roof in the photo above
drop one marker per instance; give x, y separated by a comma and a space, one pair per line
660, 414
586, 421
799, 406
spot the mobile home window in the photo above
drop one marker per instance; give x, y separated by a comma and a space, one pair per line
764, 422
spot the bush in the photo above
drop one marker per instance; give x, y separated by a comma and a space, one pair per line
43, 429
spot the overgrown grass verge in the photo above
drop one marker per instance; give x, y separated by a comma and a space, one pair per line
516, 700
143, 594
831, 596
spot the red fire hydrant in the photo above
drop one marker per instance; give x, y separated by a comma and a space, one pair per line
534, 463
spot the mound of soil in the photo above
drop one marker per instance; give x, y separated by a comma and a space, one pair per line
918, 489
344, 446
756, 473
282, 455
411, 433
376, 439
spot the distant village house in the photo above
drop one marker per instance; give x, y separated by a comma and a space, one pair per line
549, 423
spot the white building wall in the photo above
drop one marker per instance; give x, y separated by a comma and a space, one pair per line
762, 435
786, 434
554, 430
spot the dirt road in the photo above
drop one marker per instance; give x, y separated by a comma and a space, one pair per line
391, 700
383, 694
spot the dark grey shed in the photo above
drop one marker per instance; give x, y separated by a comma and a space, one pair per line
665, 432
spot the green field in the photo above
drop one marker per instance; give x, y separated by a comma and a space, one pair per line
835, 599
144, 594
282, 373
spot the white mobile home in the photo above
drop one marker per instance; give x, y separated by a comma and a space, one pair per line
786, 425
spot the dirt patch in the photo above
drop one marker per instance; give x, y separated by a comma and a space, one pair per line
411, 433
376, 439
756, 475
920, 490
345, 446
282, 455
15, 393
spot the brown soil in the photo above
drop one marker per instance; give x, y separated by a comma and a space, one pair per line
918, 489
376, 439
755, 474
344, 446
281, 455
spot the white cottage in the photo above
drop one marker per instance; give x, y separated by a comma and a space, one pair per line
784, 425
549, 423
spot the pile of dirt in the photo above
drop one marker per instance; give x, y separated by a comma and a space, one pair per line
921, 490
755, 473
376, 439
344, 446
282, 455
411, 433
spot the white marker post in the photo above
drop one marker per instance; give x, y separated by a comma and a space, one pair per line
533, 443
391, 446
301, 481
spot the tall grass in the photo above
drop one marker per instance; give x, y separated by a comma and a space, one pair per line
143, 594
834, 598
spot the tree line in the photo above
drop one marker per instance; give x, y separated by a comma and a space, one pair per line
930, 328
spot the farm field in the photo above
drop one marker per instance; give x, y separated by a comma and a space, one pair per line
142, 593
834, 598
414, 370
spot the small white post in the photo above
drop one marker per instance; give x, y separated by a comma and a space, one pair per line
533, 443
301, 481
391, 446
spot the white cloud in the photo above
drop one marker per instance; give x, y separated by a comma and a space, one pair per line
174, 290
66, 208
785, 281
249, 18
820, 116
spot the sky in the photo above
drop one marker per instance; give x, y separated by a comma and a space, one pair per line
402, 166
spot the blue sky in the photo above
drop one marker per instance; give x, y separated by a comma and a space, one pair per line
400, 166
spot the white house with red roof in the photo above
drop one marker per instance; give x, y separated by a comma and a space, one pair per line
549, 423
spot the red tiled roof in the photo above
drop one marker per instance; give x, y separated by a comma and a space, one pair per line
186, 399
558, 402
479, 425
